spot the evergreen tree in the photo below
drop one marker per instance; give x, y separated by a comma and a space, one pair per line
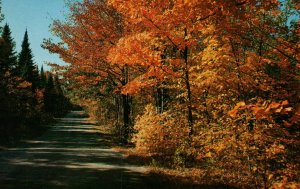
27, 68
49, 95
54, 100
1, 15
60, 99
50, 82
43, 79
35, 77
8, 58
57, 86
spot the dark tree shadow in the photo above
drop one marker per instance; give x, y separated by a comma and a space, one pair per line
74, 155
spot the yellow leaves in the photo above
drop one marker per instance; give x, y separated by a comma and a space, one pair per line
285, 185
159, 133
209, 30
208, 155
275, 149
220, 147
240, 104
206, 79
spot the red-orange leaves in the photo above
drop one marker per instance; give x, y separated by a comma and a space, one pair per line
135, 50
137, 84
267, 109
93, 28
235, 110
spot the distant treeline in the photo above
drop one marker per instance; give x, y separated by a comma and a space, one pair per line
29, 97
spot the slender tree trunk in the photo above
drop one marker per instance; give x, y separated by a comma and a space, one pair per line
156, 97
206, 112
162, 100
159, 99
126, 117
160, 91
238, 74
126, 109
188, 88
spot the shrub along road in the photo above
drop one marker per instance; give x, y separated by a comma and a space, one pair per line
72, 154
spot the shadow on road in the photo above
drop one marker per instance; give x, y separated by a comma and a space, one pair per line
73, 154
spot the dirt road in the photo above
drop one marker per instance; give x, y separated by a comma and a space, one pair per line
70, 155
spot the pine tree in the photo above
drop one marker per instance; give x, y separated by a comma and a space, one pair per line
35, 77
61, 102
57, 86
27, 68
1, 15
8, 58
43, 79
50, 82
49, 95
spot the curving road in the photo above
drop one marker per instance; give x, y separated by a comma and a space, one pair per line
70, 155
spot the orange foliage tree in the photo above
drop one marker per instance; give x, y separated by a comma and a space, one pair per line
86, 38
230, 67
223, 52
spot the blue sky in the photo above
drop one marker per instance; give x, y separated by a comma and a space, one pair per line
36, 16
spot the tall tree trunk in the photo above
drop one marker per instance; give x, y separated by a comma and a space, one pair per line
159, 99
126, 108
162, 99
126, 117
188, 88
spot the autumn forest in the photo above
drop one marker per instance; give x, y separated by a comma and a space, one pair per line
207, 90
